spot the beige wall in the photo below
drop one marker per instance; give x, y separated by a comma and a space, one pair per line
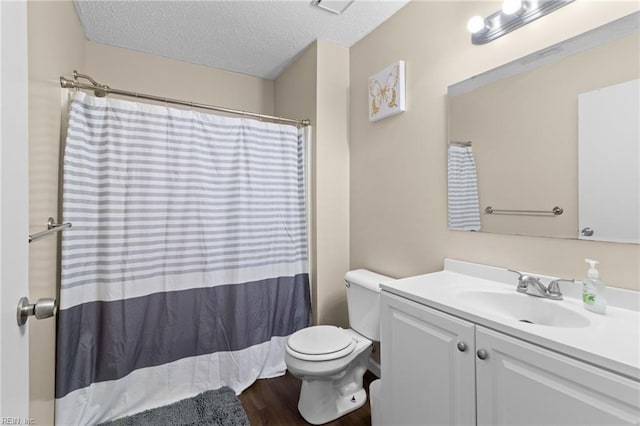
398, 165
525, 136
332, 182
316, 86
141, 72
56, 47
295, 96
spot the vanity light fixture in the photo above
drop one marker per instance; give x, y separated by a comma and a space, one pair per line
512, 7
476, 24
513, 15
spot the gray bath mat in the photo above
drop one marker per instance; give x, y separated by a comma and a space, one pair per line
220, 407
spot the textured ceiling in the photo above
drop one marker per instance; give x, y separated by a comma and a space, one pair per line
258, 38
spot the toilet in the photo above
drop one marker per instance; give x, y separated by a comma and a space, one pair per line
331, 361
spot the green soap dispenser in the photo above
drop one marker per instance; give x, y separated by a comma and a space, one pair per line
593, 290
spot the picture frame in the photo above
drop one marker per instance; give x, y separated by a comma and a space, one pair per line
387, 92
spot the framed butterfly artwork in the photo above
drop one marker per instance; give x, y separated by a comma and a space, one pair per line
386, 92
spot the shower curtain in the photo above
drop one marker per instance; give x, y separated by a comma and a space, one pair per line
186, 266
462, 179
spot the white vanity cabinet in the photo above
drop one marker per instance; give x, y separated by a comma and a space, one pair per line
433, 374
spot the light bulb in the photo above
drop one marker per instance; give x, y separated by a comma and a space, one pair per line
476, 24
509, 7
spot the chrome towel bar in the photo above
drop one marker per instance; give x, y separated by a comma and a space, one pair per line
52, 227
556, 211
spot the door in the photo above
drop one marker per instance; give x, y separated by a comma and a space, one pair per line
522, 384
609, 163
428, 372
14, 350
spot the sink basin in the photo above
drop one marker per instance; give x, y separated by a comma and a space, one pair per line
524, 308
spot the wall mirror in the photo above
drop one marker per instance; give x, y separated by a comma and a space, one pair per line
551, 141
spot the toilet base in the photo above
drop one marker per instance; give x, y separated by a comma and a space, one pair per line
332, 388
317, 409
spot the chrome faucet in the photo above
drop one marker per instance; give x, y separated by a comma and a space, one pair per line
528, 284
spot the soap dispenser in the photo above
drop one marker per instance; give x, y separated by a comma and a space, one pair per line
593, 290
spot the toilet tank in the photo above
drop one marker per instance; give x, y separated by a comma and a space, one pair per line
363, 301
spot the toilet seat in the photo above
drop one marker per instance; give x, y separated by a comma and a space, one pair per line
320, 343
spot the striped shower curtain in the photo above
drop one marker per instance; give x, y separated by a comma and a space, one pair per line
186, 266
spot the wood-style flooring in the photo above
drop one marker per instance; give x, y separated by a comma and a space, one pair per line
275, 402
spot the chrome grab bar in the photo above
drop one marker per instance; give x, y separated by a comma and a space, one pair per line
52, 227
556, 211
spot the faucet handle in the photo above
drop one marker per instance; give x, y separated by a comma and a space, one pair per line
520, 275
554, 289
521, 279
554, 286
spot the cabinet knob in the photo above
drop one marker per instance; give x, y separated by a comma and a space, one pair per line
482, 354
462, 346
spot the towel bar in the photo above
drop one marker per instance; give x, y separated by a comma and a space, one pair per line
52, 227
556, 211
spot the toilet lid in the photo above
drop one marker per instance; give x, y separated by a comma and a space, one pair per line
320, 340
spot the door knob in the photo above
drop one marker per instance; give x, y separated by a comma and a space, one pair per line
462, 346
43, 308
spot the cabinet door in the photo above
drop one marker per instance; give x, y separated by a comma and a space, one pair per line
522, 384
426, 378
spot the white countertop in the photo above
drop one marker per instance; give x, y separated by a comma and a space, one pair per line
610, 341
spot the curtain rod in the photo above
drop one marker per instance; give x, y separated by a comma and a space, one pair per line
101, 90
